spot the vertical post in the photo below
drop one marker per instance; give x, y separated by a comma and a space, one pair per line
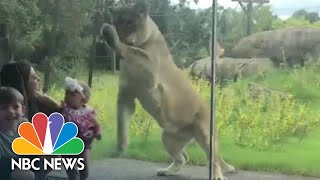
114, 60
95, 30
108, 19
212, 109
92, 57
249, 17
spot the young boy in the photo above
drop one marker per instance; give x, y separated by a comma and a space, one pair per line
11, 112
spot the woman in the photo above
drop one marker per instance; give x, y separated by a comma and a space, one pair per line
21, 76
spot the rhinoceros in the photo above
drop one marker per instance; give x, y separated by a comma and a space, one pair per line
198, 68
230, 68
286, 45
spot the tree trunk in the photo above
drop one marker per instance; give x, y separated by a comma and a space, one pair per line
5, 48
52, 49
249, 18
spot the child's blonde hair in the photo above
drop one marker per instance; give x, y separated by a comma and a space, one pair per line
81, 87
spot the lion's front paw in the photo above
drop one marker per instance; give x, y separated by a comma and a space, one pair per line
109, 34
170, 170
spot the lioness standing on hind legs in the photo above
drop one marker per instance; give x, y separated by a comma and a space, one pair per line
148, 73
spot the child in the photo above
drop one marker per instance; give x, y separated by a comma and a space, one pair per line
74, 109
11, 112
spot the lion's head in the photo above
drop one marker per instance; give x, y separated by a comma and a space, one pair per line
133, 23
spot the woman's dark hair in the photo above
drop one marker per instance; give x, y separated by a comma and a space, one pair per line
16, 75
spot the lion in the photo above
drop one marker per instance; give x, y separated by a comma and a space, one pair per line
149, 74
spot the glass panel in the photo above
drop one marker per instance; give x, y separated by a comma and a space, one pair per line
134, 81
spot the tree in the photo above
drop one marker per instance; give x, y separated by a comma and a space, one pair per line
159, 11
5, 49
300, 14
262, 18
313, 17
19, 28
309, 16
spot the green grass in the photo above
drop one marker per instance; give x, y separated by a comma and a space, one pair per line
291, 157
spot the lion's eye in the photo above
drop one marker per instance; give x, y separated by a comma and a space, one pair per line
129, 22
130, 25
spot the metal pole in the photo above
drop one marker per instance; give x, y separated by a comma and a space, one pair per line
212, 109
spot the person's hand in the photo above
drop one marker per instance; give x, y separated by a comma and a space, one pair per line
89, 134
98, 136
62, 103
34, 94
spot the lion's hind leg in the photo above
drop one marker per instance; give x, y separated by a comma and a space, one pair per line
174, 143
202, 136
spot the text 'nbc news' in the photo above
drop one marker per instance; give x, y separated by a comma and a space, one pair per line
53, 163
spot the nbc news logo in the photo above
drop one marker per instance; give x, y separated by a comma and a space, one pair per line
48, 136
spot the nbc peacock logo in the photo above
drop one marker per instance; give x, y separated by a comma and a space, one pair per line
48, 136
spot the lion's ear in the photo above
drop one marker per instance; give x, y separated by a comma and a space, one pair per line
141, 7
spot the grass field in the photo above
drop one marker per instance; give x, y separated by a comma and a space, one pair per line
291, 154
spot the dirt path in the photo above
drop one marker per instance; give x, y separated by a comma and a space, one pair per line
124, 169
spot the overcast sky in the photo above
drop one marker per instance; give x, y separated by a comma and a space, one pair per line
283, 8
